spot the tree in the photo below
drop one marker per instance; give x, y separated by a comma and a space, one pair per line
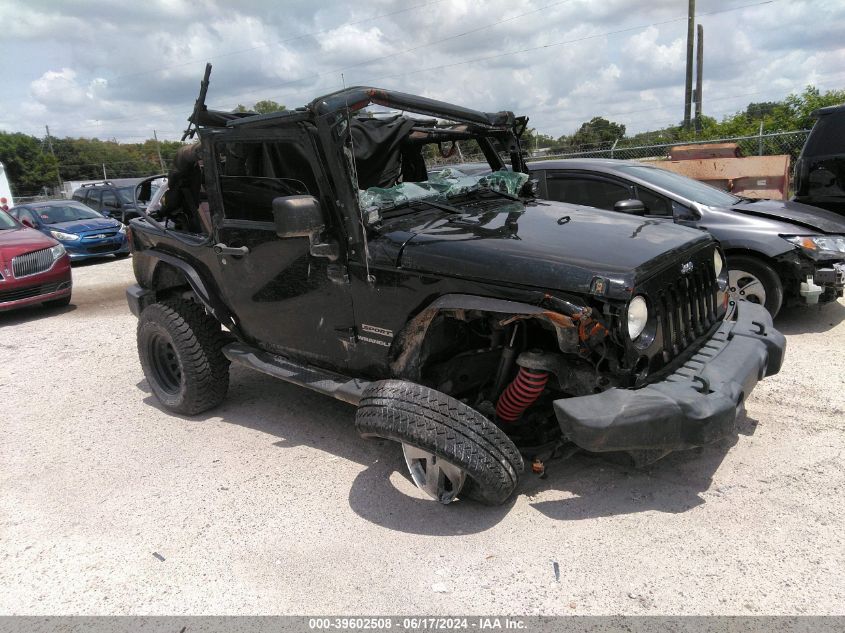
267, 106
28, 166
597, 130
532, 140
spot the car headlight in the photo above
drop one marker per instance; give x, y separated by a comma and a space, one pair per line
718, 262
57, 251
819, 246
64, 237
122, 229
637, 316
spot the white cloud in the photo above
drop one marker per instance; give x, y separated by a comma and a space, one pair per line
92, 67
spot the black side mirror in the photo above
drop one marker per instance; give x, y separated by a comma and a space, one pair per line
631, 207
297, 216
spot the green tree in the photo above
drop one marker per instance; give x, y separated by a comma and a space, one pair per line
267, 106
597, 130
28, 166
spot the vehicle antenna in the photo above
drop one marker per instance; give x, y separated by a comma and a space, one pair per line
370, 278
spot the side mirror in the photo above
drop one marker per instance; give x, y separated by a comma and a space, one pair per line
631, 207
27, 222
297, 216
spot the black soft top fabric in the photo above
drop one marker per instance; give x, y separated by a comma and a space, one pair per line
377, 146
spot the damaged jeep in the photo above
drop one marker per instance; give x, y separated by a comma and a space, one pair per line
475, 325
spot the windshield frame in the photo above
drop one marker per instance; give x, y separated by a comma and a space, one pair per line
38, 210
8, 222
679, 185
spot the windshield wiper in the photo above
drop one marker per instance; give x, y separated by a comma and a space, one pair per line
503, 194
448, 208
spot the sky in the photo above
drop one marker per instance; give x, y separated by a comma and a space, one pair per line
99, 68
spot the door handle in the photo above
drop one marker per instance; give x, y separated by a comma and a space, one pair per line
222, 249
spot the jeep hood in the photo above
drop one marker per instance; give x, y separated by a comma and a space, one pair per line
541, 244
804, 216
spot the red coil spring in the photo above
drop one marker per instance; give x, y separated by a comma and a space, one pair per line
521, 394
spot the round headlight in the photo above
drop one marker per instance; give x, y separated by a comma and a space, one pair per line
718, 263
637, 316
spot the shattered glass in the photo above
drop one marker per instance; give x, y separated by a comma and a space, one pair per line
447, 183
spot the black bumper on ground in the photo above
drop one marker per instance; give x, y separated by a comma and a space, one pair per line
695, 405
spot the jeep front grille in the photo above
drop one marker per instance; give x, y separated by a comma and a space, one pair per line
686, 309
32, 263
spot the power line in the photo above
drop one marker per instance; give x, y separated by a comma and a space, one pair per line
337, 71
285, 41
501, 55
617, 115
366, 62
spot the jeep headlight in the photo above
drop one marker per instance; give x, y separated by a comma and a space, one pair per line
637, 316
718, 262
57, 251
819, 246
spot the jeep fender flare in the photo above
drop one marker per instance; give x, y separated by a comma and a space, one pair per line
209, 300
405, 351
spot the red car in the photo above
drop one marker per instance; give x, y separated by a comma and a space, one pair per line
34, 268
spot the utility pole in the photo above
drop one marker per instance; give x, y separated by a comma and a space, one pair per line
104, 172
158, 149
50, 145
688, 87
699, 70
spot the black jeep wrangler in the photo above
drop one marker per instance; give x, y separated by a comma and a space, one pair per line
467, 320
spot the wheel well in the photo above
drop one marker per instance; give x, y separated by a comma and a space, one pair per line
745, 252
167, 280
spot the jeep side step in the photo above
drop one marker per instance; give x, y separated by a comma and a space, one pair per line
324, 381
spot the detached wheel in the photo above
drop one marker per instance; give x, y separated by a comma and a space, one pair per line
751, 279
451, 449
179, 347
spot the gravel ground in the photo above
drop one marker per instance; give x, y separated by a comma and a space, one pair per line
271, 504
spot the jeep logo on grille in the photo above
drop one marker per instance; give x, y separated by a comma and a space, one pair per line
686, 269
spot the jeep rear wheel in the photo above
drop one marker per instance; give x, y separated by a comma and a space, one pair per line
180, 350
451, 449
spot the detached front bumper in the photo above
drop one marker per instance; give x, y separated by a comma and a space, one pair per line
694, 406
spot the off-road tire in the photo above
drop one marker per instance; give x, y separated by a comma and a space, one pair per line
432, 421
767, 276
196, 340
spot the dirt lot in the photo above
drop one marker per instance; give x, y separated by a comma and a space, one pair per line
272, 504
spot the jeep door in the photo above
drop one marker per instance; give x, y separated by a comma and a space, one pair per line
285, 298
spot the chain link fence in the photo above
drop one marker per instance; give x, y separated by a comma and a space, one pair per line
773, 144
758, 145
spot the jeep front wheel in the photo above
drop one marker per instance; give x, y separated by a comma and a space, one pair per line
180, 350
450, 448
